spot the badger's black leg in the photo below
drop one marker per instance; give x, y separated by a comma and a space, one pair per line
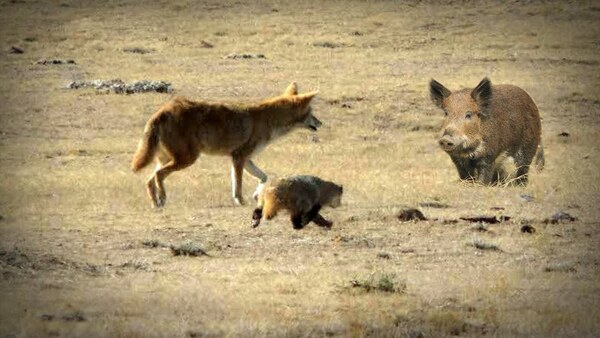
311, 214
322, 222
256, 216
300, 220
297, 221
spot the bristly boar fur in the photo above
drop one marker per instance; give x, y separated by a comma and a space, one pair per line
486, 123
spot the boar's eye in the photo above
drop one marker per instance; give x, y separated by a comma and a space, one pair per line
468, 115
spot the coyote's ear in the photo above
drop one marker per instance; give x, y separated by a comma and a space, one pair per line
304, 99
292, 89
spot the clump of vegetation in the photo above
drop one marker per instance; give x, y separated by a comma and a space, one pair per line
481, 227
379, 282
328, 44
136, 264
560, 267
154, 243
448, 321
138, 50
188, 249
482, 245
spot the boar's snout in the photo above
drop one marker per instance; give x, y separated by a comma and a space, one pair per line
447, 142
450, 139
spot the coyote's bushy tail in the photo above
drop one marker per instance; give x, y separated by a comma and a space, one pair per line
540, 161
147, 145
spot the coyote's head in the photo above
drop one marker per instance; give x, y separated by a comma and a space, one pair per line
311, 122
303, 110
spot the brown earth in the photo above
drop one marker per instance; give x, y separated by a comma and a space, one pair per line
83, 254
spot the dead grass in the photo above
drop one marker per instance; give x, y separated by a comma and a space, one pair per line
379, 282
483, 245
77, 235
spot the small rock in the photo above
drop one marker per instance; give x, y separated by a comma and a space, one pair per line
526, 228
16, 50
411, 214
564, 134
357, 33
497, 208
560, 217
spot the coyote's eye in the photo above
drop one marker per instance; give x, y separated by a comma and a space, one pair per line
468, 115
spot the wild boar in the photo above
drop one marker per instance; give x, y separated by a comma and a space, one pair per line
488, 123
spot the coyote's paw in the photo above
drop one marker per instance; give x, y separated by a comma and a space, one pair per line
239, 201
258, 191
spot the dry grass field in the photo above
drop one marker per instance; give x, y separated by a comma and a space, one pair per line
82, 253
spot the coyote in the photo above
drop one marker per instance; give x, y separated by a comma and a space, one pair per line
302, 196
182, 129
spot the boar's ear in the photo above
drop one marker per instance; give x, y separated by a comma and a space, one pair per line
482, 94
438, 92
292, 89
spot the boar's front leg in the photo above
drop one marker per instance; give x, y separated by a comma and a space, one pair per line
484, 173
465, 168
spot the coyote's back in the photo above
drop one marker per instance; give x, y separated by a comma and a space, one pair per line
182, 129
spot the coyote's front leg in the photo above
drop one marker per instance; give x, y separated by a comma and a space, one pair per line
237, 169
255, 171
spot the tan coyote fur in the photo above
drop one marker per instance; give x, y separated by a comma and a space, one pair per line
182, 129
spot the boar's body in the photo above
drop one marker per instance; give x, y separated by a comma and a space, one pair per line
486, 124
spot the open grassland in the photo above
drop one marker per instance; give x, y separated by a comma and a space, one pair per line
83, 254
